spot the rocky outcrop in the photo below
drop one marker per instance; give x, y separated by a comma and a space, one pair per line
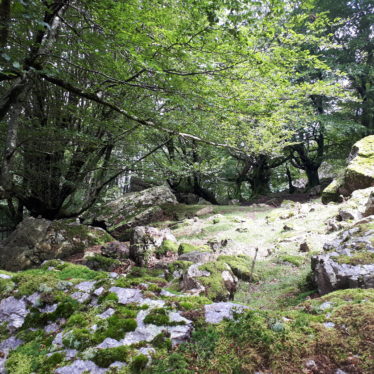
36, 240
349, 261
360, 205
145, 241
213, 279
133, 209
359, 173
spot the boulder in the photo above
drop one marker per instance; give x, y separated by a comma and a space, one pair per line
118, 217
359, 173
349, 261
359, 205
36, 240
214, 279
360, 170
145, 241
116, 249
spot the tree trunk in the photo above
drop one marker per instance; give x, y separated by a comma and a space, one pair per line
313, 177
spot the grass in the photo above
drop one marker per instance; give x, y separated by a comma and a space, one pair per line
279, 286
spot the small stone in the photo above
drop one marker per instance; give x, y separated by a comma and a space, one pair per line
216, 312
5, 276
51, 328
108, 313
109, 343
85, 286
99, 291
127, 295
304, 247
329, 325
80, 367
80, 296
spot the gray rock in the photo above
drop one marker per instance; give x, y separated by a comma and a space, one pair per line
86, 286
80, 367
180, 333
329, 325
216, 312
81, 297
51, 328
196, 257
6, 346
131, 210
109, 343
13, 311
36, 240
5, 276
127, 295
118, 365
49, 308
99, 291
108, 313
116, 249
190, 280
57, 341
144, 242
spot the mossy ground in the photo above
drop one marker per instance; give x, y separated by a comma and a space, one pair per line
284, 328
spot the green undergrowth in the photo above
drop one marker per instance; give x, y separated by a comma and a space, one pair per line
359, 258
276, 286
282, 341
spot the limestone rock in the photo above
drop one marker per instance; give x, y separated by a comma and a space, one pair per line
216, 312
196, 257
36, 240
360, 170
144, 242
13, 311
133, 209
349, 262
359, 173
215, 279
80, 367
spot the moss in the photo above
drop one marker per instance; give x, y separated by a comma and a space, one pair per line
87, 235
138, 364
294, 260
31, 357
177, 266
110, 297
166, 246
6, 287
360, 258
105, 357
162, 341
214, 284
187, 248
158, 317
77, 320
114, 327
99, 262
29, 282
192, 302
79, 338
240, 265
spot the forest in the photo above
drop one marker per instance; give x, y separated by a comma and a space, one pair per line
187, 186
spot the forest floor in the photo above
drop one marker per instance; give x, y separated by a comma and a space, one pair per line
277, 232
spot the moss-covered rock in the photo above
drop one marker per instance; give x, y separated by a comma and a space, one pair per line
359, 173
131, 210
360, 170
36, 240
332, 192
187, 248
